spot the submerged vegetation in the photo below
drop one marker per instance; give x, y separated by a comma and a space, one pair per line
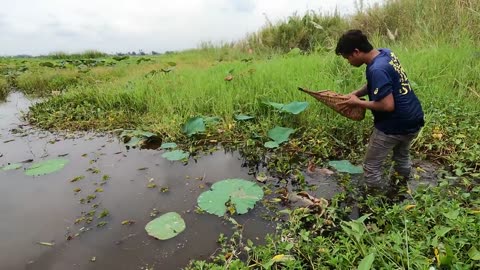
245, 96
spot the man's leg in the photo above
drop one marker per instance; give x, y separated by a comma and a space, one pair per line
379, 146
401, 157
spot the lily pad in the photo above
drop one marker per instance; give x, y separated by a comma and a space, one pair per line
46, 167
134, 141
243, 117
295, 107
280, 134
212, 119
13, 166
168, 145
277, 106
166, 226
239, 193
134, 138
345, 166
271, 144
193, 126
175, 155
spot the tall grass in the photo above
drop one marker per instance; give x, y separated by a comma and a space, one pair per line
4, 88
444, 77
88, 54
414, 22
308, 32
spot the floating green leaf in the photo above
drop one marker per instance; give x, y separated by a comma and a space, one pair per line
134, 141
46, 167
280, 134
193, 126
134, 138
175, 155
243, 117
13, 166
168, 145
239, 193
166, 226
345, 166
295, 107
271, 144
137, 133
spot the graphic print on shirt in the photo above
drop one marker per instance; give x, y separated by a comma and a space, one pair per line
395, 63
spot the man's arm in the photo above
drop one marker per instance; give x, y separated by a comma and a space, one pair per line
386, 104
362, 91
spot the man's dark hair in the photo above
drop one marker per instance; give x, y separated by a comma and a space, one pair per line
351, 40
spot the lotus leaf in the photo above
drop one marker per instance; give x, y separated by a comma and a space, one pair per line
280, 134
168, 145
345, 166
134, 141
241, 194
277, 106
212, 120
175, 155
193, 126
243, 117
46, 167
13, 166
137, 133
271, 144
166, 226
295, 107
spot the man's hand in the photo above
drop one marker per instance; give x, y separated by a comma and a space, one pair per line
352, 101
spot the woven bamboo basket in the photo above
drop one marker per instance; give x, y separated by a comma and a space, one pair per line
331, 99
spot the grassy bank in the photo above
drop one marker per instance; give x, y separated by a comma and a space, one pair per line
163, 102
4, 88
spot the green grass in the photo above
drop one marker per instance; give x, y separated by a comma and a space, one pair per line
4, 88
444, 77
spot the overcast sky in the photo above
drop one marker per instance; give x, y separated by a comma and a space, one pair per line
44, 26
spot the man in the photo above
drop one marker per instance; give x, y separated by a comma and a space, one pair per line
397, 112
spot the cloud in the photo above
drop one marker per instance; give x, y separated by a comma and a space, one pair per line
43, 26
243, 5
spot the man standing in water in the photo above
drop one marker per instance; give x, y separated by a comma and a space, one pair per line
397, 112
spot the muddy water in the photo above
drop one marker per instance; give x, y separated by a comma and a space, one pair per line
44, 208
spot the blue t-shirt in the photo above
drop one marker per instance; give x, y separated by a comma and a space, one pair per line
385, 75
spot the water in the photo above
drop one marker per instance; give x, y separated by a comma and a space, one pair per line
44, 208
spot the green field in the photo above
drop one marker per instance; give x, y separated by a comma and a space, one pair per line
439, 50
